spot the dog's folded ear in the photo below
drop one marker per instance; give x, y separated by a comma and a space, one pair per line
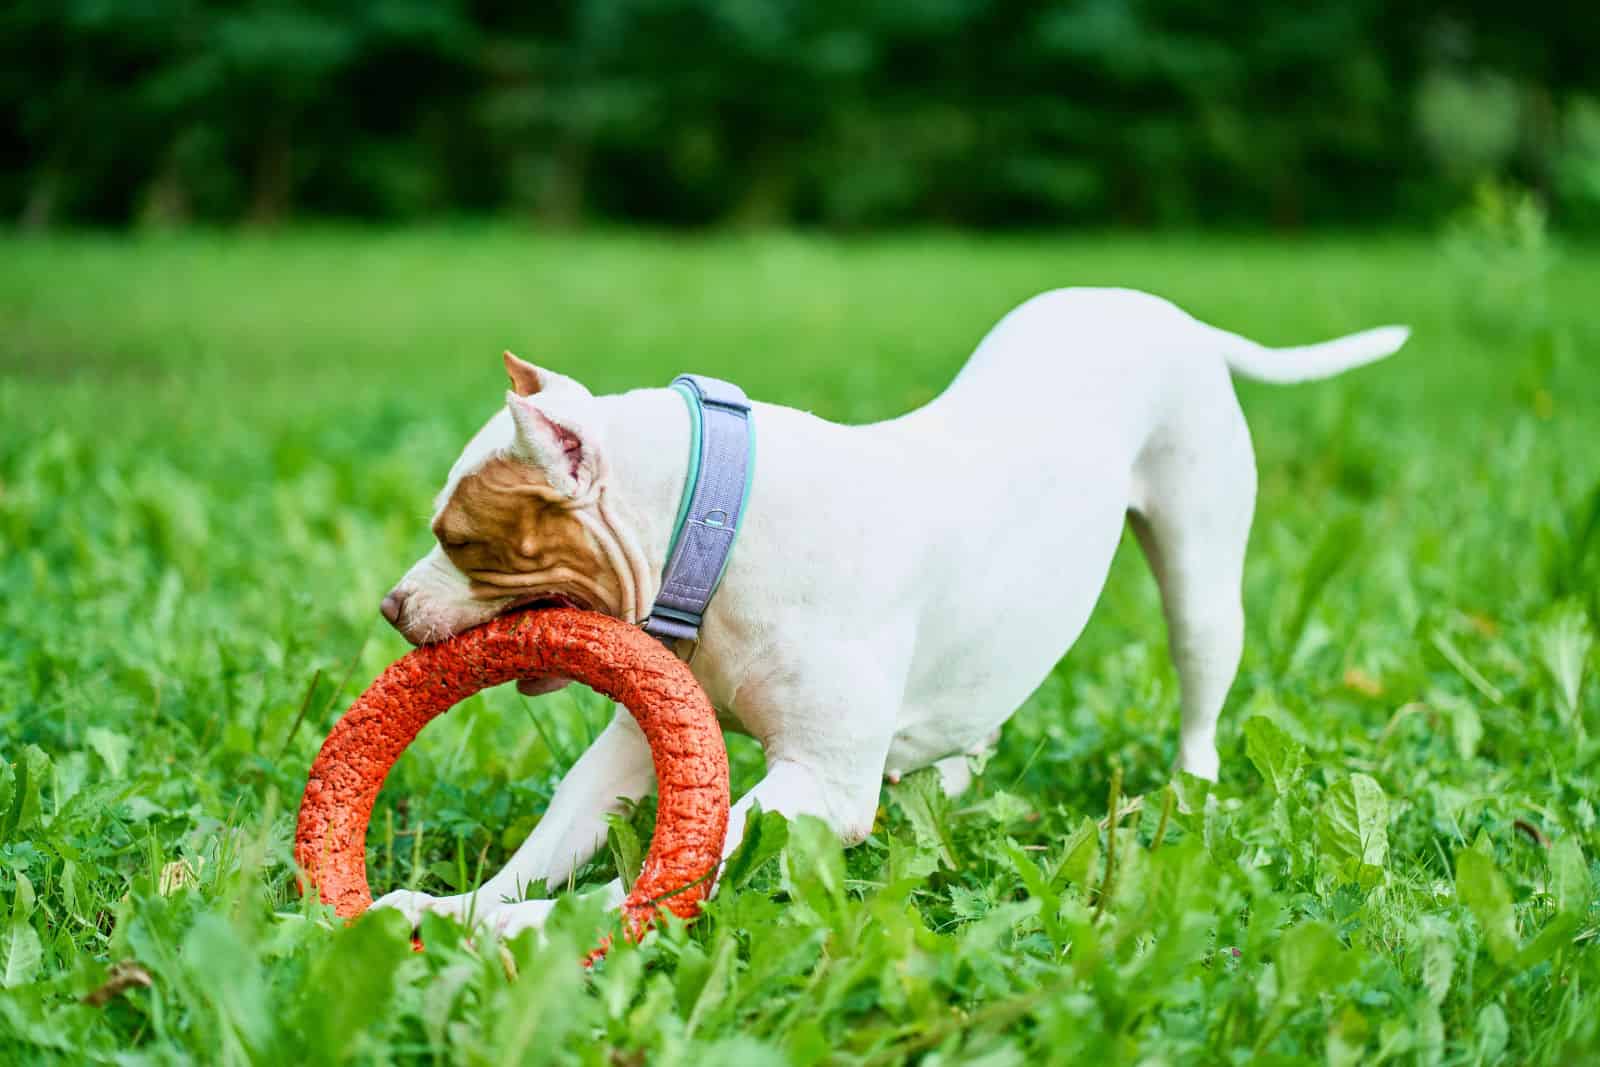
545, 408
526, 379
554, 441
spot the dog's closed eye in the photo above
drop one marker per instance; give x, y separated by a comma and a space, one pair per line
451, 539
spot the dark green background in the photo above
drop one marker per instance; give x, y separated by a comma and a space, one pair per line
845, 114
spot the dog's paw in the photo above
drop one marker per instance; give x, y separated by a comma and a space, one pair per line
955, 775
415, 905
509, 920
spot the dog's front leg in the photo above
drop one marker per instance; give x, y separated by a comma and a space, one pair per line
824, 763
793, 789
616, 768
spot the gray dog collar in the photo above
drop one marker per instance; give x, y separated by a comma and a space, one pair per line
722, 455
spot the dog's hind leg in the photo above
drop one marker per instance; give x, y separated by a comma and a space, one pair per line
1195, 488
955, 772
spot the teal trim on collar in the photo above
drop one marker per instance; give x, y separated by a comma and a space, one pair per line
711, 509
708, 520
691, 478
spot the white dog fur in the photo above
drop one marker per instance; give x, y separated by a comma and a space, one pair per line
898, 589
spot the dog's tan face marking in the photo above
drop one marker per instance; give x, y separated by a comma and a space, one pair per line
522, 518
513, 535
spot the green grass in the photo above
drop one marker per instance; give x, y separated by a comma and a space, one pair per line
217, 452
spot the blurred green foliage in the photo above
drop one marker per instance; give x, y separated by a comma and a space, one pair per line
867, 113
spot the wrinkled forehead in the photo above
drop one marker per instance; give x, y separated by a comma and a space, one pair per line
490, 504
497, 435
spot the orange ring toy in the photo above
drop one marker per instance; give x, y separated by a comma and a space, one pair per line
608, 655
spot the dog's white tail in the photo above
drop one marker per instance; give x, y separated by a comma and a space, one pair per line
1304, 363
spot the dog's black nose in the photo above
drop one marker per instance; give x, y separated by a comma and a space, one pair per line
393, 606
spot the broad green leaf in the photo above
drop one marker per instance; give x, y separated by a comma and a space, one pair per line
1481, 888
775, 960
226, 973
909, 859
539, 1011
1396, 1036
921, 797
807, 1043
1563, 642
21, 782
1267, 919
1038, 887
1466, 725
1277, 757
714, 989
444, 990
22, 901
1339, 542
1428, 1034
1192, 792
1216, 826
765, 834
1347, 1038
1311, 959
1570, 883
1080, 856
813, 868
1493, 1033
1571, 891
360, 963
617, 983
626, 853
1353, 828
1556, 936
112, 748
1267, 989
29, 774
1006, 808
689, 975
1438, 960
1033, 880
20, 953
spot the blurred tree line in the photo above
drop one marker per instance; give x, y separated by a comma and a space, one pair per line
860, 113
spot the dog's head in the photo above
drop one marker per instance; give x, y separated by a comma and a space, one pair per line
518, 521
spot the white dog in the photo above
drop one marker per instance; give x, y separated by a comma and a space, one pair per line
898, 589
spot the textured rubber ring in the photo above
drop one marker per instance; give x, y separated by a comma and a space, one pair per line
608, 655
